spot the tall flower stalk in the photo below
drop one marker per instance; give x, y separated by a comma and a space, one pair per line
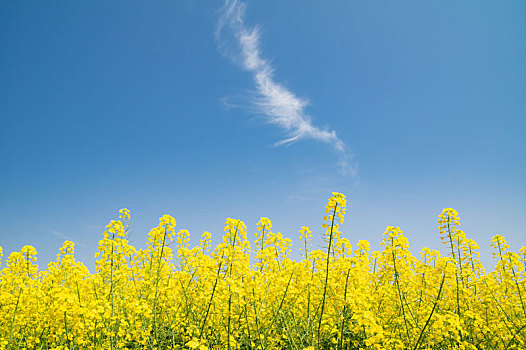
336, 208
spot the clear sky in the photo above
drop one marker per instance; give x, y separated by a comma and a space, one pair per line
205, 111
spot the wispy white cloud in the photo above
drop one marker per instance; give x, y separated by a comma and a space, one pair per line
279, 105
65, 237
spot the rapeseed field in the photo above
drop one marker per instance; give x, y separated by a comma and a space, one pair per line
252, 295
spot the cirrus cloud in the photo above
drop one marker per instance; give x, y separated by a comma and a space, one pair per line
279, 105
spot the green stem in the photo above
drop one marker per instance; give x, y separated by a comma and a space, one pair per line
111, 290
211, 297
431, 314
13, 320
66, 327
400, 292
326, 273
518, 287
344, 309
157, 286
456, 268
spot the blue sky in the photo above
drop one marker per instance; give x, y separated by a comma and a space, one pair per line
406, 107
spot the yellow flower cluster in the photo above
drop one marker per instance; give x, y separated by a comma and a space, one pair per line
236, 297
